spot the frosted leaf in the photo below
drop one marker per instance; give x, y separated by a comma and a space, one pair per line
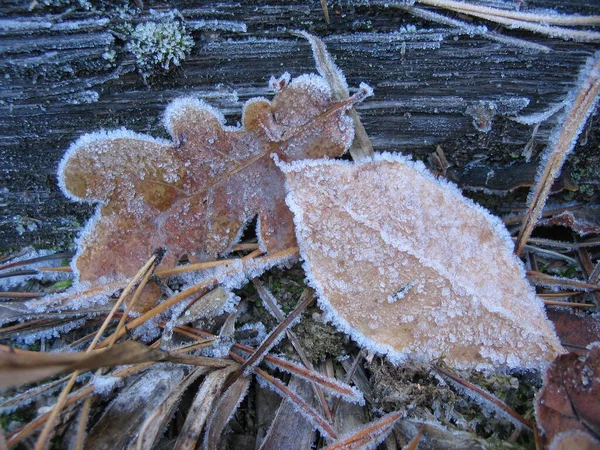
196, 194
570, 398
385, 229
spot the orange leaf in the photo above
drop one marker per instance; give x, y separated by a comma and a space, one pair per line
196, 194
407, 266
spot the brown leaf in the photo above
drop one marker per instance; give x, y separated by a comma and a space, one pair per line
196, 194
407, 266
26, 367
576, 331
571, 440
570, 398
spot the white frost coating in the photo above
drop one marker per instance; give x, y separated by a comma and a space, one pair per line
179, 108
317, 54
98, 136
462, 286
368, 90
30, 338
260, 337
233, 26
103, 385
312, 81
356, 397
277, 84
11, 283
536, 118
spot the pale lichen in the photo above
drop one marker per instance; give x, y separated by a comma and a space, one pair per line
160, 45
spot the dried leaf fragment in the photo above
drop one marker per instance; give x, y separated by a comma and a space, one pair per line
570, 398
407, 266
196, 194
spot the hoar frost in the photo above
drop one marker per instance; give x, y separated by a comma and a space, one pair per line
470, 304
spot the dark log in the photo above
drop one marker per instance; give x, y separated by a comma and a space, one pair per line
66, 71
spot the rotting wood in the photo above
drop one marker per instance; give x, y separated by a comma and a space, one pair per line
60, 81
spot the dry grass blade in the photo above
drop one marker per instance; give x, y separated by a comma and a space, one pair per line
19, 294
306, 299
202, 408
577, 115
481, 394
361, 145
325, 10
469, 29
543, 279
558, 19
228, 403
314, 417
195, 267
514, 220
84, 412
370, 435
26, 367
22, 433
288, 429
38, 259
568, 304
29, 395
44, 436
595, 275
589, 270
55, 269
333, 386
526, 21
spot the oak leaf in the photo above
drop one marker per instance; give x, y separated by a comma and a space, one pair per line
407, 266
196, 194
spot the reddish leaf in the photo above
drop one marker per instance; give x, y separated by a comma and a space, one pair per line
576, 331
579, 440
195, 195
570, 399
